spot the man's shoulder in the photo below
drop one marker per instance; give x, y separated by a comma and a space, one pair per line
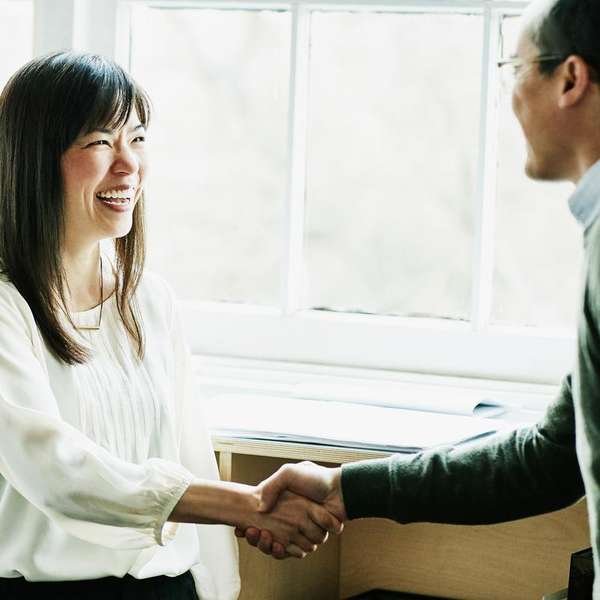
592, 233
592, 252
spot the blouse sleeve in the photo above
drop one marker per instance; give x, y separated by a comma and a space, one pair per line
77, 484
217, 573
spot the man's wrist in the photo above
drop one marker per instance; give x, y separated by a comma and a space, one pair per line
337, 497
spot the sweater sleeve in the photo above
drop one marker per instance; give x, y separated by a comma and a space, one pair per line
76, 483
517, 474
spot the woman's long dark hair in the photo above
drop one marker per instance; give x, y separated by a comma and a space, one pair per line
44, 108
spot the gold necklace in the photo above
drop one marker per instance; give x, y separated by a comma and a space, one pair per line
96, 327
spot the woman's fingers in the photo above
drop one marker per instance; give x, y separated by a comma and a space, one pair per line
252, 534
279, 551
300, 548
265, 542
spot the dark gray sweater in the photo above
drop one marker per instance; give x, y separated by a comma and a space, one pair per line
518, 474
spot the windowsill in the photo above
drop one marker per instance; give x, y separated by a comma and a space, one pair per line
337, 414
216, 374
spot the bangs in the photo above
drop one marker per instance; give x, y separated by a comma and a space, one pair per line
115, 96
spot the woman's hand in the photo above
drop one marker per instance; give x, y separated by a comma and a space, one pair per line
295, 524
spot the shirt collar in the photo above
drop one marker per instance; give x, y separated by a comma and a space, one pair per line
585, 201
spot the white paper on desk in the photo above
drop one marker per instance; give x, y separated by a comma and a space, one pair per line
340, 424
459, 401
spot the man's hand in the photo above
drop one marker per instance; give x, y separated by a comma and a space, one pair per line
296, 523
321, 484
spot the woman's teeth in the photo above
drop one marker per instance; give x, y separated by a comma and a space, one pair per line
122, 196
126, 201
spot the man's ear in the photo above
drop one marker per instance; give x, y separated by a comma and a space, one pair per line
575, 76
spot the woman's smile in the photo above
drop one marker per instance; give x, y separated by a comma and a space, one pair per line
121, 198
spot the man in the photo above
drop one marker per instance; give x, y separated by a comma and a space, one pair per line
537, 469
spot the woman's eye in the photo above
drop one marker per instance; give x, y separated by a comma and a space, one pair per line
139, 138
98, 143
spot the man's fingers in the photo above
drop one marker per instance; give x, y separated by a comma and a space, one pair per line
313, 532
295, 551
239, 532
303, 542
325, 520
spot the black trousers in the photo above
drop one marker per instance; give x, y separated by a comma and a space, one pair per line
108, 588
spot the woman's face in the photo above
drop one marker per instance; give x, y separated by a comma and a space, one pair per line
103, 175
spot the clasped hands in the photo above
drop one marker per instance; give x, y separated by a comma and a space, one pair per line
299, 506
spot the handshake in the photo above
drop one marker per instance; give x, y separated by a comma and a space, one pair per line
299, 506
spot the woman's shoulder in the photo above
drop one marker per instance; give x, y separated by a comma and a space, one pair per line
9, 294
156, 295
155, 285
14, 307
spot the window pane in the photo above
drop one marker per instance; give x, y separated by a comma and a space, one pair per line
16, 37
219, 83
538, 241
393, 143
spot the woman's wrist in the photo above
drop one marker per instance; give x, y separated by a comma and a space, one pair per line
217, 502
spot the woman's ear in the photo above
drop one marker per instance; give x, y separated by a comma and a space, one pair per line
575, 75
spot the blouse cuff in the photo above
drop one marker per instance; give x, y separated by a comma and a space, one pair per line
178, 479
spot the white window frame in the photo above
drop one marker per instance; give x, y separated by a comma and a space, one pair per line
293, 333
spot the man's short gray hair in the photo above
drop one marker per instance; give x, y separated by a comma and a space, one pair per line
565, 27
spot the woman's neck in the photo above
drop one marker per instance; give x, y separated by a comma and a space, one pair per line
82, 269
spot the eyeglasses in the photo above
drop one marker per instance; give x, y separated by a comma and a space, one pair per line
511, 68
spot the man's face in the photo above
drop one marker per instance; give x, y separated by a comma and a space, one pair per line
534, 102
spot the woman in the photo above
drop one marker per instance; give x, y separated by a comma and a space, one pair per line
105, 464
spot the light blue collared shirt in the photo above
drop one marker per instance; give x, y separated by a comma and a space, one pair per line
585, 201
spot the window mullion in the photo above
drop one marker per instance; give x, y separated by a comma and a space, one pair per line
485, 195
53, 26
293, 216
96, 26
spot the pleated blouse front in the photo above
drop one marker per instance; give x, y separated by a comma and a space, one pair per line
94, 457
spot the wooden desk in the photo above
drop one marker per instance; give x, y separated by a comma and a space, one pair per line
520, 560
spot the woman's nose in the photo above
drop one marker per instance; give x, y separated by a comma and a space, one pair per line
126, 161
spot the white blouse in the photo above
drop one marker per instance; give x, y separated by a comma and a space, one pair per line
91, 455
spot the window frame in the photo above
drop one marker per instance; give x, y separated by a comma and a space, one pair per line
292, 332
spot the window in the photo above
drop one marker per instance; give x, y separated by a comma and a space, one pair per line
392, 162
342, 183
16, 41
219, 83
